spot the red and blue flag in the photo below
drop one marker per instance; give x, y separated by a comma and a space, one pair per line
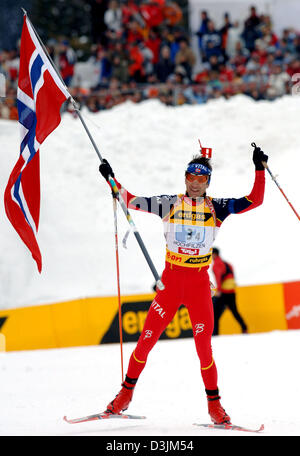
39, 99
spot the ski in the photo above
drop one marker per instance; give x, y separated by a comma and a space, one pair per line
230, 427
103, 416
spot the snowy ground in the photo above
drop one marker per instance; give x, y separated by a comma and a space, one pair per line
259, 380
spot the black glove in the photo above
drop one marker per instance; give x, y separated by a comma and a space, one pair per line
105, 169
258, 157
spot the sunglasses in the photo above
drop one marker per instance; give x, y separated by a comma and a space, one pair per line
201, 178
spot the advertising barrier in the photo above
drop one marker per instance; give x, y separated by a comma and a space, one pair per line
93, 321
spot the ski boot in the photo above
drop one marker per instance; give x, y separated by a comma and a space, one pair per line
123, 398
215, 410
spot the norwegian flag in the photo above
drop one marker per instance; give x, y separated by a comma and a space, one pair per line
40, 96
205, 151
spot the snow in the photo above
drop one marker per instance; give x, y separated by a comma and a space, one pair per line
149, 145
258, 381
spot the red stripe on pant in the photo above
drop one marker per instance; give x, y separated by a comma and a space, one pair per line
191, 287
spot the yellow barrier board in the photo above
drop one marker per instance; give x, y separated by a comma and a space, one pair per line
262, 308
91, 321
2, 343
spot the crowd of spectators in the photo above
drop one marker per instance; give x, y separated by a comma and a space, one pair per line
141, 50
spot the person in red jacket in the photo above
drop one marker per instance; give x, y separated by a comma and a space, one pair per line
67, 60
225, 294
191, 221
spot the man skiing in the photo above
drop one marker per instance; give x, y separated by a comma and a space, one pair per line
191, 222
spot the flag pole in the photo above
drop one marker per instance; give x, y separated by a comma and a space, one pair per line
111, 180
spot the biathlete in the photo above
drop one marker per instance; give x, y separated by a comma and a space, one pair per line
191, 222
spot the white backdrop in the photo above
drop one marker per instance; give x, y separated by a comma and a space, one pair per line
284, 13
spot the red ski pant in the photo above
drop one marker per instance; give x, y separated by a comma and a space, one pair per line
191, 287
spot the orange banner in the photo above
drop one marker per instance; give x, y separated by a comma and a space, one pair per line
292, 304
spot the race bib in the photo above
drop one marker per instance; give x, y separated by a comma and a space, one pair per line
190, 234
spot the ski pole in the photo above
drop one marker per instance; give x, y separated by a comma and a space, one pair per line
118, 281
276, 182
113, 184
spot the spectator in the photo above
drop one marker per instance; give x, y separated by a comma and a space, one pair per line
112, 92
66, 61
211, 42
256, 94
240, 57
293, 67
214, 84
4, 110
267, 66
203, 76
147, 59
151, 90
104, 66
226, 74
120, 63
52, 47
152, 13
8, 109
196, 94
251, 32
12, 66
92, 104
267, 40
120, 69
185, 57
154, 43
179, 76
165, 66
233, 37
113, 19
137, 97
288, 38
172, 13
213, 64
202, 30
177, 35
166, 37
134, 32
136, 69
253, 20
224, 32
159, 55
166, 94
130, 11
278, 82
